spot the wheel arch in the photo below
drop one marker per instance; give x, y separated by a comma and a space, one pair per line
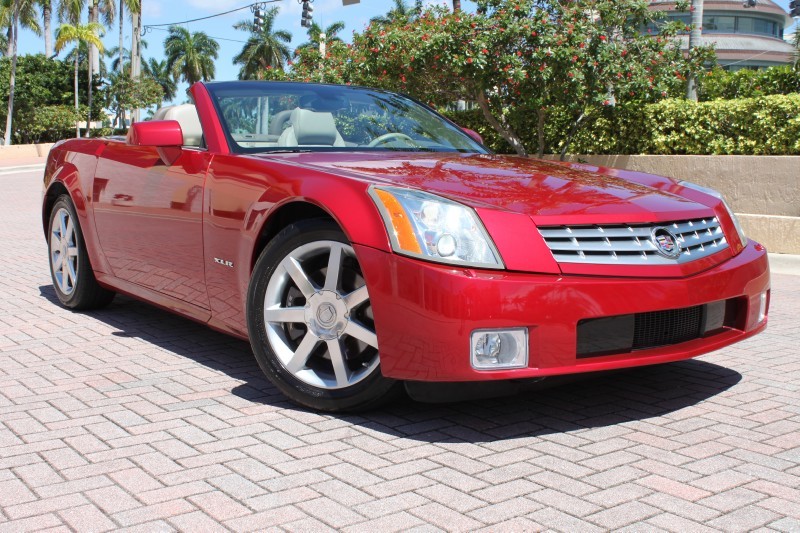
56, 189
285, 215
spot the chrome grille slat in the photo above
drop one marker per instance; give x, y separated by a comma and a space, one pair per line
600, 246
630, 244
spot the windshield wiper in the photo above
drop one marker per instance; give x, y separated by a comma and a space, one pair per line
287, 151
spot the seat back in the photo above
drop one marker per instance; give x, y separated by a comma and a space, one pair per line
186, 115
309, 128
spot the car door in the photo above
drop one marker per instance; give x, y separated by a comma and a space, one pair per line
148, 216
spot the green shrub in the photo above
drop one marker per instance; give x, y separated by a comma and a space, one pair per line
767, 125
749, 83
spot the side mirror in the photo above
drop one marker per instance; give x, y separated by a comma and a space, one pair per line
157, 133
474, 135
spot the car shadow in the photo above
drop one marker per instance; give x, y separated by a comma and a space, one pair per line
593, 401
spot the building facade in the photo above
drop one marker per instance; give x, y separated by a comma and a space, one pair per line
744, 37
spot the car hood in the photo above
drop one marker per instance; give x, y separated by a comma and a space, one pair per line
533, 187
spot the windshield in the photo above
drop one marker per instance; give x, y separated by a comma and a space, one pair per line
277, 116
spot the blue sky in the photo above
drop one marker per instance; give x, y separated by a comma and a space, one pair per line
325, 12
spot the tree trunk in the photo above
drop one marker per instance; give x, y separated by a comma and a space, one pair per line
94, 54
456, 6
47, 15
12, 79
136, 53
501, 128
9, 39
121, 66
89, 100
694, 40
572, 131
77, 120
541, 116
134, 42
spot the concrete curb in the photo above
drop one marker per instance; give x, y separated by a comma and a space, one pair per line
21, 168
784, 264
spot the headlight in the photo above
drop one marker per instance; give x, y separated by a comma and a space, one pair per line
430, 227
715, 194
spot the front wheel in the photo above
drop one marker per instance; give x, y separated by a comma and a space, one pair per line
73, 278
311, 323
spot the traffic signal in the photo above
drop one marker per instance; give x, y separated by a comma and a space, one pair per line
794, 8
258, 19
307, 18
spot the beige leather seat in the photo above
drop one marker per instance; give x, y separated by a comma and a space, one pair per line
309, 128
186, 115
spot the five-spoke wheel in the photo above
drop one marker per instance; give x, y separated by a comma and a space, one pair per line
310, 320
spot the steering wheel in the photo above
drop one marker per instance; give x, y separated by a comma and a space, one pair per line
391, 135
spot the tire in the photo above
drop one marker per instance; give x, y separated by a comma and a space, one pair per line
73, 278
313, 335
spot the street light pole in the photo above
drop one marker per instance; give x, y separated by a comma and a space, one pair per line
694, 41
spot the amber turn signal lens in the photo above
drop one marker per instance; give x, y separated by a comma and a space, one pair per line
400, 222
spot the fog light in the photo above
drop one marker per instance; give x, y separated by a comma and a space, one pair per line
762, 307
499, 349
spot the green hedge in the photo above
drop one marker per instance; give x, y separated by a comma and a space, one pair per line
767, 125
744, 83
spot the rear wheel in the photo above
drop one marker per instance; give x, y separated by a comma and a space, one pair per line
311, 323
73, 278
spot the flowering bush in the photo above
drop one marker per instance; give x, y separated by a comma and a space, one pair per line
546, 60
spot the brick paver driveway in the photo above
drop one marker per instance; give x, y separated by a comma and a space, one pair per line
130, 417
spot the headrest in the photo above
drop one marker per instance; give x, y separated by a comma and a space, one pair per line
312, 128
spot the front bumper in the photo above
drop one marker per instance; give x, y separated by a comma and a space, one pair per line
424, 313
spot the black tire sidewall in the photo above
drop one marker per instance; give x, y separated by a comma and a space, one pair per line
364, 394
85, 276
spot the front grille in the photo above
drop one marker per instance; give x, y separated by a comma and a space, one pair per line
642, 331
631, 244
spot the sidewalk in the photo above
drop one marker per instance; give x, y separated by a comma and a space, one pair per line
21, 164
130, 417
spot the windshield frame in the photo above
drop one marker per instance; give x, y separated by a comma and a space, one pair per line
218, 90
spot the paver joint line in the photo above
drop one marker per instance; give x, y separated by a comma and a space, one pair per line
132, 417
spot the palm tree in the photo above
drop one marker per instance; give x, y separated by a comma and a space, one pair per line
28, 18
400, 12
190, 56
331, 35
47, 17
160, 71
133, 7
98, 9
264, 48
16, 12
121, 59
80, 33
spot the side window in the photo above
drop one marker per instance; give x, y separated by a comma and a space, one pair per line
257, 121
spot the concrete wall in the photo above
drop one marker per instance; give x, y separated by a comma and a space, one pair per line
24, 151
763, 190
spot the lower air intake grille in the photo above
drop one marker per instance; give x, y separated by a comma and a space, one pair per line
642, 331
661, 328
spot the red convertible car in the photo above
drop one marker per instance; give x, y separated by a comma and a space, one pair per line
362, 242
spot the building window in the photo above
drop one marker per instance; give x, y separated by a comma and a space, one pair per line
719, 24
